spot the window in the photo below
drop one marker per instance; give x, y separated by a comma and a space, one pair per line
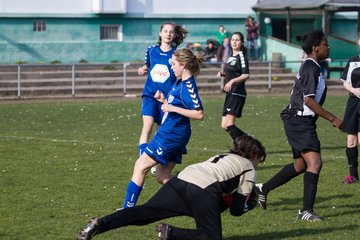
39, 26
111, 33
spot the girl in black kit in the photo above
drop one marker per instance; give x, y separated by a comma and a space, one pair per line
201, 191
299, 118
236, 72
351, 78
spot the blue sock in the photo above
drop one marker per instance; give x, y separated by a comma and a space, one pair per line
142, 148
132, 194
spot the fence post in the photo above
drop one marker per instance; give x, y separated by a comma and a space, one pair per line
73, 80
19, 82
269, 76
222, 77
124, 77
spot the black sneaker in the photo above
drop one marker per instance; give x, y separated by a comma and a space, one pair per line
89, 230
262, 196
309, 215
163, 230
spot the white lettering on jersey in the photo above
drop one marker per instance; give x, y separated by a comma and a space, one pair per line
160, 73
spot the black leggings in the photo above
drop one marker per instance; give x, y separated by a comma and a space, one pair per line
175, 198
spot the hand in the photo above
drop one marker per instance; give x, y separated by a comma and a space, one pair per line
356, 92
220, 74
142, 70
337, 123
159, 96
165, 107
228, 86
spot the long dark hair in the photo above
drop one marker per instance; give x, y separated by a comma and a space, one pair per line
249, 148
180, 34
310, 40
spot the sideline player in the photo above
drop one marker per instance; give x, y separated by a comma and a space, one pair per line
197, 191
236, 72
169, 143
351, 78
299, 118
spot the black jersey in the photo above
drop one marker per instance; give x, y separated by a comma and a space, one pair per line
351, 73
235, 67
309, 82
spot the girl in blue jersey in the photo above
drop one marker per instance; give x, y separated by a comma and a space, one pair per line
160, 77
236, 72
180, 105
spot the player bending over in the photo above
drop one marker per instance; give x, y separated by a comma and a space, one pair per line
202, 191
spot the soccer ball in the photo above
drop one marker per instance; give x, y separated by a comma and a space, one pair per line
153, 170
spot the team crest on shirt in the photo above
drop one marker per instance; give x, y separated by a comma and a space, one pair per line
170, 98
160, 73
232, 61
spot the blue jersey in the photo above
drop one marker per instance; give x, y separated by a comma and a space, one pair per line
171, 138
160, 76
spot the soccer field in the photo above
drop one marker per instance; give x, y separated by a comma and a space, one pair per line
63, 162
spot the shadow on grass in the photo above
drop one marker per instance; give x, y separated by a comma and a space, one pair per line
297, 201
293, 233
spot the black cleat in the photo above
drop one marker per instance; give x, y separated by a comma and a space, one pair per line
163, 231
262, 196
309, 215
89, 230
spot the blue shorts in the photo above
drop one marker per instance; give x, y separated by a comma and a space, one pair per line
163, 155
151, 107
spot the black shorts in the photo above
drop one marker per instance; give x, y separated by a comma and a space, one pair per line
234, 104
301, 134
352, 116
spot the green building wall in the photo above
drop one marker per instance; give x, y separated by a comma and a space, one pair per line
72, 39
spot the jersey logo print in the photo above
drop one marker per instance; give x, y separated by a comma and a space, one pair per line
193, 94
228, 109
159, 151
160, 73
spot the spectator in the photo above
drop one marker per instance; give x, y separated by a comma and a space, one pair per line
210, 50
224, 51
221, 34
252, 37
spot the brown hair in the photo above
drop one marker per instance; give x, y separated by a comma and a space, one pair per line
191, 62
180, 34
249, 148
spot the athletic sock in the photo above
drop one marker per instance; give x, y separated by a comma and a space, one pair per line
142, 148
235, 132
310, 189
132, 194
283, 176
352, 156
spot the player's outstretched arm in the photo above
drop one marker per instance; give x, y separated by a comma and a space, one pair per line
319, 110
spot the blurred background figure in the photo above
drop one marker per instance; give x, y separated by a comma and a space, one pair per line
252, 37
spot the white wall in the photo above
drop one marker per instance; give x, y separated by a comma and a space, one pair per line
240, 7
190, 6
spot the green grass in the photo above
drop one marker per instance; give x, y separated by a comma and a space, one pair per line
64, 162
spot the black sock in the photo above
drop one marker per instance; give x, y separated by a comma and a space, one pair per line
352, 156
235, 132
310, 189
283, 176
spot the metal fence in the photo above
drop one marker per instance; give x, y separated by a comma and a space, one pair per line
335, 65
